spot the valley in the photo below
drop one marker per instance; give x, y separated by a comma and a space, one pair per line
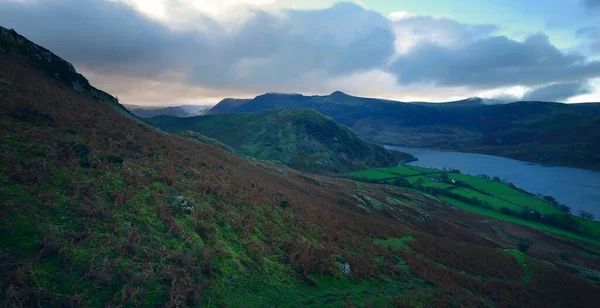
264, 207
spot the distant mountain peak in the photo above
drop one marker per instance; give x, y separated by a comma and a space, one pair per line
338, 93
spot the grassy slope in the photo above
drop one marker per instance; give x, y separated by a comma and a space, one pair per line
90, 216
300, 138
99, 210
496, 194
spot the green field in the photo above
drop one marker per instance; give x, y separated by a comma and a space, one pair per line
532, 224
479, 195
401, 170
374, 174
506, 194
494, 201
486, 185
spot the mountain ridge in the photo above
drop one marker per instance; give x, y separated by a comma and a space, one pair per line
468, 125
56, 68
303, 139
177, 111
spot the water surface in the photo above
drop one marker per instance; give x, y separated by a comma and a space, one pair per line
577, 188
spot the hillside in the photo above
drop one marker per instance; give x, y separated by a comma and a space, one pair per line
97, 209
299, 138
539, 132
12, 43
176, 111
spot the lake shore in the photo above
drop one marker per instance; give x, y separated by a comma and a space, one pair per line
577, 188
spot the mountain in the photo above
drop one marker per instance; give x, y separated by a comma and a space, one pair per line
12, 43
176, 111
98, 209
539, 132
299, 138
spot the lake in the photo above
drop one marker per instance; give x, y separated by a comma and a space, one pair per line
577, 188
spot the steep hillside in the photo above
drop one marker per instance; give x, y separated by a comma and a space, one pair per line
300, 138
548, 133
45, 61
176, 111
97, 209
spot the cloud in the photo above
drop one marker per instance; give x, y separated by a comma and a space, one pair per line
267, 49
591, 37
494, 61
188, 47
100, 35
297, 44
558, 92
591, 4
413, 30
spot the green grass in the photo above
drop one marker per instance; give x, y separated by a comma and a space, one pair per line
329, 292
400, 170
418, 178
500, 216
303, 139
440, 185
486, 185
531, 202
423, 170
590, 225
521, 258
498, 195
371, 174
397, 244
495, 202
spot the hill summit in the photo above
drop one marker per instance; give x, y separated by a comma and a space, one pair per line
303, 139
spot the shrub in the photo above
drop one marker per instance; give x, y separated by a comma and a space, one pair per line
523, 247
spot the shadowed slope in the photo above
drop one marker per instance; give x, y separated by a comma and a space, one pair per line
540, 132
300, 138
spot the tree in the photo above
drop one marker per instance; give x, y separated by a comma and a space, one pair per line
444, 177
523, 247
550, 199
586, 215
401, 182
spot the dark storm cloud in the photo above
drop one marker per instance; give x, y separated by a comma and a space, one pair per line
112, 37
558, 92
493, 62
289, 50
97, 34
331, 42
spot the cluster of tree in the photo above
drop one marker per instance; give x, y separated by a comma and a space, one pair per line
556, 204
586, 215
499, 180
455, 171
563, 221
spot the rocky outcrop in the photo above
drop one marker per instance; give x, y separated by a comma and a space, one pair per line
56, 68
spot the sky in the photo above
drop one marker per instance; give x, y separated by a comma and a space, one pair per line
173, 52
